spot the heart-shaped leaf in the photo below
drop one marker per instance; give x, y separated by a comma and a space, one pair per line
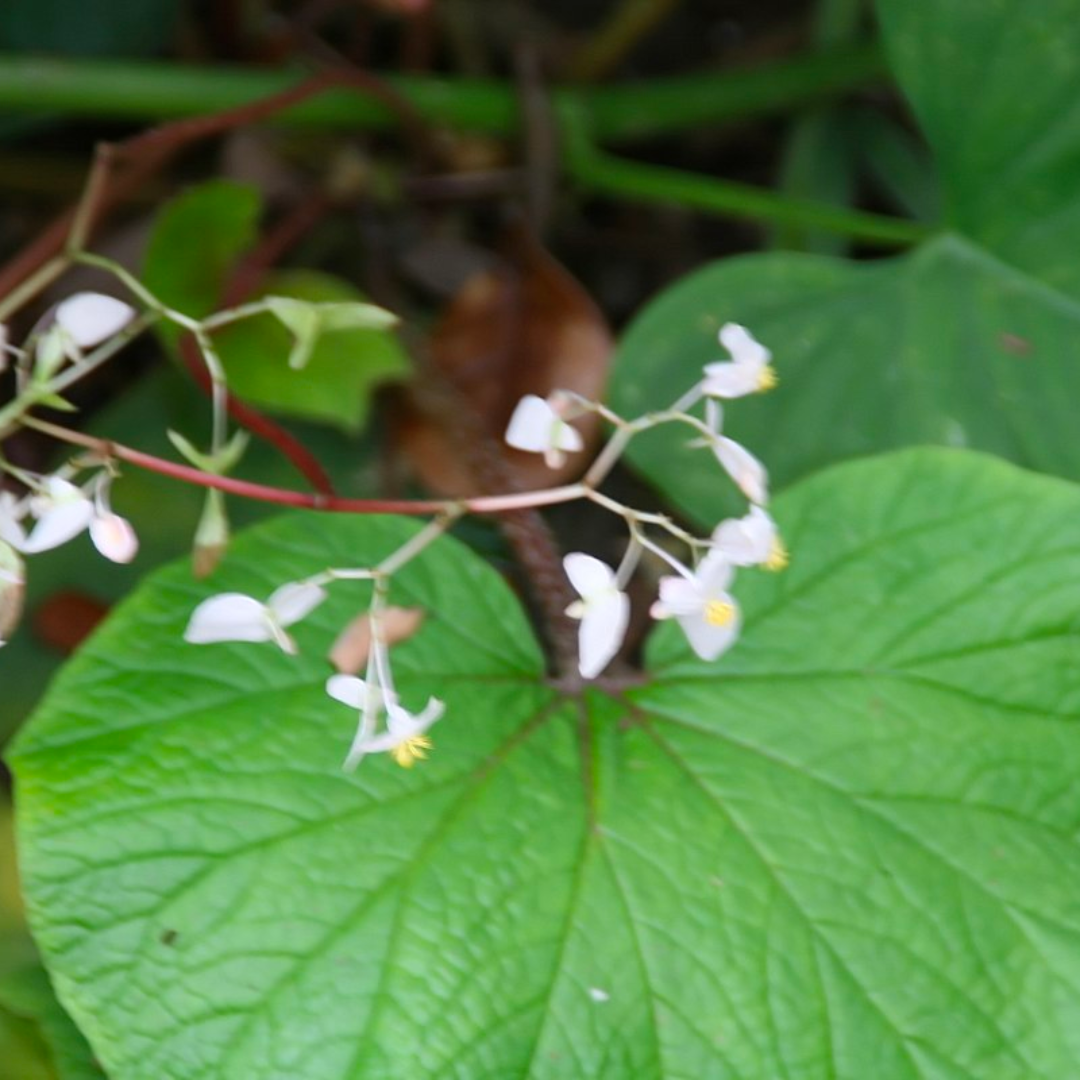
960, 342
846, 850
946, 345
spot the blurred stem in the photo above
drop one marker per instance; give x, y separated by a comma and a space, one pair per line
595, 168
617, 36
159, 91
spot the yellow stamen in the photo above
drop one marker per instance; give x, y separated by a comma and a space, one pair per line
768, 379
409, 752
719, 612
778, 556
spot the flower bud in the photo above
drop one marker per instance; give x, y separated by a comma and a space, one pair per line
12, 590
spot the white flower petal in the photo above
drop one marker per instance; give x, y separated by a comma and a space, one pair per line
603, 628
403, 724
90, 318
567, 437
745, 469
11, 515
59, 523
292, 602
743, 346
228, 617
678, 596
708, 639
348, 689
746, 541
730, 380
531, 426
114, 537
714, 575
587, 574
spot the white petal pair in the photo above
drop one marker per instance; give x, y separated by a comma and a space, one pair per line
604, 611
538, 427
747, 372
238, 617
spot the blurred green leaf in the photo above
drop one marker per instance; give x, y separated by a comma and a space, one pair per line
945, 345
995, 85
78, 28
345, 354
195, 243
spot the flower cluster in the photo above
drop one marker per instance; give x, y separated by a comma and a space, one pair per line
55, 509
696, 595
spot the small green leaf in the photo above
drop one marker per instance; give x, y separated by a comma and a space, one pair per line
840, 852
322, 325
196, 241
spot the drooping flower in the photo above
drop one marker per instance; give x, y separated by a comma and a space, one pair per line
752, 540
604, 611
237, 617
62, 510
90, 318
748, 371
404, 737
111, 534
537, 426
745, 469
708, 614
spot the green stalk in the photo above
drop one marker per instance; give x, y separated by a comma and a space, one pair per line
596, 169
149, 91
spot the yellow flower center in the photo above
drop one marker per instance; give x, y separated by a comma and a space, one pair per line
719, 612
768, 379
778, 556
409, 752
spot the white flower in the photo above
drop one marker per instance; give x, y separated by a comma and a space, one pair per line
538, 427
603, 609
90, 318
745, 469
236, 617
404, 738
62, 510
747, 372
706, 611
752, 540
111, 534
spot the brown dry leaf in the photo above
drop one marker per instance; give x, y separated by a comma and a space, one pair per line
525, 328
67, 618
350, 652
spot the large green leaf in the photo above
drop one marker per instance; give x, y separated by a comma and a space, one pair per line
996, 87
847, 850
945, 345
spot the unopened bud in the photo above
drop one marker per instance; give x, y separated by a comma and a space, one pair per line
12, 590
212, 535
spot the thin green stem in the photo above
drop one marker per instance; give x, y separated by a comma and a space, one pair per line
159, 91
599, 170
